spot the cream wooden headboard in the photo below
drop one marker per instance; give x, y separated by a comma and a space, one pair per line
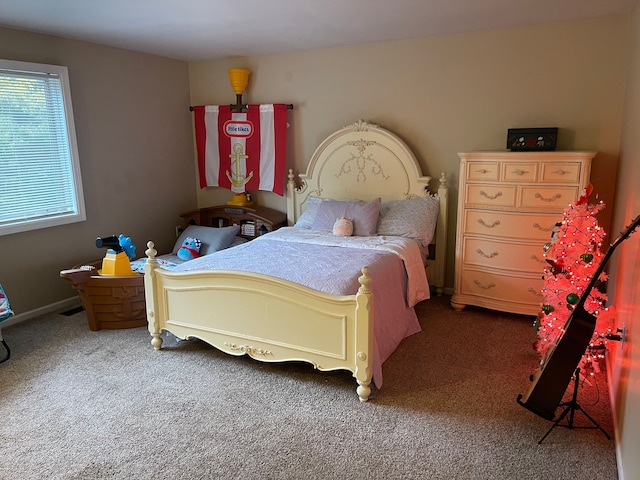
364, 161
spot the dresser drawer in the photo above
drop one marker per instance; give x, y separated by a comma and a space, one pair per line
513, 288
524, 226
551, 199
491, 195
520, 172
560, 172
518, 257
483, 171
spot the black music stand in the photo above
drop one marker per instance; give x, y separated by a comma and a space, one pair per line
571, 407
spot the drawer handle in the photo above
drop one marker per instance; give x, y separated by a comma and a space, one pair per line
487, 255
549, 199
521, 172
534, 291
484, 224
485, 287
483, 171
543, 229
539, 260
561, 172
490, 197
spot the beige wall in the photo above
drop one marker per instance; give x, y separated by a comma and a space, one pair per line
444, 95
624, 363
136, 157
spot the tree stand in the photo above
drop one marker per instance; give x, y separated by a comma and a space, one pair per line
571, 407
5, 312
6, 347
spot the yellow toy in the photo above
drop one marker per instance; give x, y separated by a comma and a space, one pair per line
241, 200
116, 261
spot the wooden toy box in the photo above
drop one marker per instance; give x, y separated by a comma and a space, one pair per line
110, 301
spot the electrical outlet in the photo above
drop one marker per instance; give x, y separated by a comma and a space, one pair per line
618, 336
178, 230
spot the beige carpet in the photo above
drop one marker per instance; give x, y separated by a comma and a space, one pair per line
77, 404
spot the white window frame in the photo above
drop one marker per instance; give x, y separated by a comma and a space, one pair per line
78, 214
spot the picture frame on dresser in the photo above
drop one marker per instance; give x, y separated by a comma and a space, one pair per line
508, 205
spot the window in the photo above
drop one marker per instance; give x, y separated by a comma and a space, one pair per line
40, 184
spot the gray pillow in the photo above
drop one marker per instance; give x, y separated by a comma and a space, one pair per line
308, 216
212, 238
364, 215
414, 218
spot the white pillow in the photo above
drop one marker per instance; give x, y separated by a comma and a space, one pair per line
414, 218
212, 238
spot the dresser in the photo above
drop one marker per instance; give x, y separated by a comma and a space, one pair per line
508, 205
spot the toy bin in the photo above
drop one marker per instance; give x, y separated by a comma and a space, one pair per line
110, 302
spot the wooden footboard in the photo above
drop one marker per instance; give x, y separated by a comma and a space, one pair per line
267, 318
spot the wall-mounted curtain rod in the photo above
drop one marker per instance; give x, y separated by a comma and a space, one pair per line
289, 106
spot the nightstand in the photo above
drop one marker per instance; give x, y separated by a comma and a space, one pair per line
253, 220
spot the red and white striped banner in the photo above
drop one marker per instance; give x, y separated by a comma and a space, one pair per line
242, 151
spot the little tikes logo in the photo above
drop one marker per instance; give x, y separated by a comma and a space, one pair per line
238, 128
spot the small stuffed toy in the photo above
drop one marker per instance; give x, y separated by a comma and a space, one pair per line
189, 249
343, 227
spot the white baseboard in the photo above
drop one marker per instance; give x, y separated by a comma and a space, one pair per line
60, 306
614, 414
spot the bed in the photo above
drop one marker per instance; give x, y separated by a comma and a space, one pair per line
355, 323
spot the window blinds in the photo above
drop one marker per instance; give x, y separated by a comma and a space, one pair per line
39, 185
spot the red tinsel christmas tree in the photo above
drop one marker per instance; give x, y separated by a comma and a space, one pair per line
573, 257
